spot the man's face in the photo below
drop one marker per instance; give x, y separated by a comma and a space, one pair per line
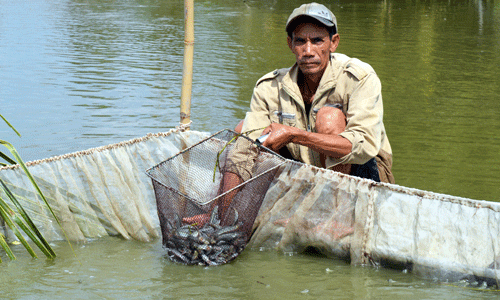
312, 46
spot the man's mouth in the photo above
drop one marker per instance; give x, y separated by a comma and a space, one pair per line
308, 63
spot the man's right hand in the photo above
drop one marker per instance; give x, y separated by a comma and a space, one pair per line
279, 136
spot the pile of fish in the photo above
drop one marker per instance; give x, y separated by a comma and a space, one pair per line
210, 244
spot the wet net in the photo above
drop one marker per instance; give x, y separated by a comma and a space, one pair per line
206, 215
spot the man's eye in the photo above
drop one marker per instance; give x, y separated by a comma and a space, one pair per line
317, 40
299, 41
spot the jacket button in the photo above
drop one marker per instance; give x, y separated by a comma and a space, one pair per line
275, 72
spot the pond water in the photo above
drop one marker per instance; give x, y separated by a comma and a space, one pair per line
77, 74
110, 268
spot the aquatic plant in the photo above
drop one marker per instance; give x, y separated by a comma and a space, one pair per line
16, 218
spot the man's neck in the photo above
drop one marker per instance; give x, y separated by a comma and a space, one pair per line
308, 85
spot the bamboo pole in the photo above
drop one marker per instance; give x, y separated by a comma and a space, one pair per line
187, 73
187, 82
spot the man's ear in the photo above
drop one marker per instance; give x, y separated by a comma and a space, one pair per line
289, 41
334, 42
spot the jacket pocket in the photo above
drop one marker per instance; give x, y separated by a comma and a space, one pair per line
283, 118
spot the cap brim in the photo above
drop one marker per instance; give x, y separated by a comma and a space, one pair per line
325, 21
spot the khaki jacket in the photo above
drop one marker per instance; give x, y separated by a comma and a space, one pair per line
347, 81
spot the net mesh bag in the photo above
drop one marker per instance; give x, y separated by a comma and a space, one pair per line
205, 217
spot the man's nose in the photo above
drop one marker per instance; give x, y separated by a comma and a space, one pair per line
308, 48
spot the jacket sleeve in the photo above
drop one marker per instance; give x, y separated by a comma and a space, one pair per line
364, 118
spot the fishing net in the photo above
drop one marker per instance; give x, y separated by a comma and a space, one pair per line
206, 216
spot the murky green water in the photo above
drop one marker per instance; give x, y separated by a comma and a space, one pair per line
81, 74
115, 269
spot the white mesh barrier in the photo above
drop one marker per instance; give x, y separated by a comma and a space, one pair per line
105, 191
435, 235
101, 191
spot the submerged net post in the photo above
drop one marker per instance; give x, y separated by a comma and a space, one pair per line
187, 74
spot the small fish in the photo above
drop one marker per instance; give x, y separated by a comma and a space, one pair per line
218, 253
209, 244
183, 233
222, 248
228, 236
203, 247
207, 230
178, 255
214, 216
207, 260
235, 216
225, 230
215, 226
233, 256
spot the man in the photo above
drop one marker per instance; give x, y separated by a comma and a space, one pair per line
326, 110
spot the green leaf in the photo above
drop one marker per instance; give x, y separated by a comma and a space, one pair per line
31, 230
7, 159
38, 243
10, 125
23, 166
6, 247
41, 242
5, 211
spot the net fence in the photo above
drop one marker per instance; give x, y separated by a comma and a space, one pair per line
104, 192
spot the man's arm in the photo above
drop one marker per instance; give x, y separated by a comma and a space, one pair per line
330, 122
327, 144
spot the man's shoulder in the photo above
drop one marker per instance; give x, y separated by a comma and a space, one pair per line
276, 74
354, 66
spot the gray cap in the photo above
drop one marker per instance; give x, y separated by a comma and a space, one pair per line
316, 11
